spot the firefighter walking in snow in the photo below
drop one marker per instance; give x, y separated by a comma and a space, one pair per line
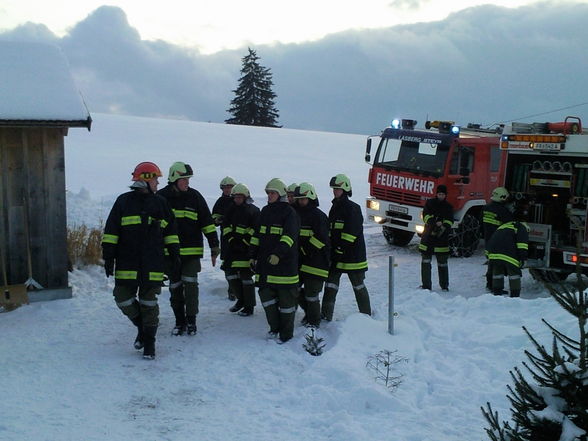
438, 218
314, 252
348, 254
138, 228
193, 219
219, 209
239, 224
494, 215
507, 252
274, 256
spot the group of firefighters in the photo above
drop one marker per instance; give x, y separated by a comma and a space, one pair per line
506, 239
289, 249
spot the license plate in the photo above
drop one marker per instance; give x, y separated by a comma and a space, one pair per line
398, 209
547, 146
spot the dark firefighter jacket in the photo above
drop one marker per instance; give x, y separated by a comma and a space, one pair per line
138, 228
239, 225
510, 243
220, 208
435, 239
494, 215
277, 234
314, 243
193, 218
346, 232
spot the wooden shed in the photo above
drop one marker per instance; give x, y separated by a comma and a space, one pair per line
39, 102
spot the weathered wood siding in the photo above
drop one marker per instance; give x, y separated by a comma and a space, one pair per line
32, 175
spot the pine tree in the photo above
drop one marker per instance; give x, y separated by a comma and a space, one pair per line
554, 406
253, 104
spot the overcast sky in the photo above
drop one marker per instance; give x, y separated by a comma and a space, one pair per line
483, 64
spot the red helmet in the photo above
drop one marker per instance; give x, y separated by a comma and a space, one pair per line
145, 171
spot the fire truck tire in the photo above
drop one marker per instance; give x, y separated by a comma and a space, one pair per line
542, 275
464, 240
397, 237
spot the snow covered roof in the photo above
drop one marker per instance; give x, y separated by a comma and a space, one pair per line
37, 89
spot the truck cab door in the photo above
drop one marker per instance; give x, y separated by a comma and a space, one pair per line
461, 170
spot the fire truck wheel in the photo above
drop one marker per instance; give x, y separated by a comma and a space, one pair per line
397, 237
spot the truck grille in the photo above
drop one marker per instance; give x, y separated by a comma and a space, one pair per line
398, 196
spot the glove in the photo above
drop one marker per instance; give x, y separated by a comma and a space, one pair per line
522, 264
109, 267
273, 259
176, 269
252, 264
337, 254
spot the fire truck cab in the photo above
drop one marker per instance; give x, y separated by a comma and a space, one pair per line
410, 163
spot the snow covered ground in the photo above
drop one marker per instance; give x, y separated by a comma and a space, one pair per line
69, 372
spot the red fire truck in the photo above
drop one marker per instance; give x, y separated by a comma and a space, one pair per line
546, 170
543, 165
408, 165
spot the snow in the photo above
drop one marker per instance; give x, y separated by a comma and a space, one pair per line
37, 85
69, 370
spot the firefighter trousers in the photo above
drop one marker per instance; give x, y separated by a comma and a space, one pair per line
309, 300
242, 285
500, 268
184, 293
279, 305
442, 270
332, 287
138, 301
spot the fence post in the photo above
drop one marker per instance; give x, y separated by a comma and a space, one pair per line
391, 295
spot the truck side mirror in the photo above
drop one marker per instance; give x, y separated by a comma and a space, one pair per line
368, 149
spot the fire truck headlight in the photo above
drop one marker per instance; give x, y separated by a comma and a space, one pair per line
419, 229
455, 130
373, 205
379, 219
396, 124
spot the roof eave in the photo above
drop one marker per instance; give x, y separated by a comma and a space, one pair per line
46, 123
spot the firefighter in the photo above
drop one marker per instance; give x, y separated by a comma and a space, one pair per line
313, 252
507, 252
438, 218
290, 193
193, 219
348, 253
139, 226
238, 227
219, 209
274, 257
494, 214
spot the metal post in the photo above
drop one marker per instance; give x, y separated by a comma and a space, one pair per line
391, 295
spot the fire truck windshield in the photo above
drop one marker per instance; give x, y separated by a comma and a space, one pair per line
417, 157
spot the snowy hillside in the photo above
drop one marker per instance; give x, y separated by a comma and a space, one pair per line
69, 371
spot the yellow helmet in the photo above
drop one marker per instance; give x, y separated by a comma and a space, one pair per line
179, 170
227, 181
341, 181
240, 189
500, 194
292, 187
276, 185
305, 190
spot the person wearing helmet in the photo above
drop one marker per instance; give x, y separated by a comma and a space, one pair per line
438, 218
274, 257
313, 253
495, 214
239, 223
290, 193
219, 209
139, 222
348, 253
507, 252
194, 219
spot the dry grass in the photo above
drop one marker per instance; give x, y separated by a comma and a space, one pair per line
84, 245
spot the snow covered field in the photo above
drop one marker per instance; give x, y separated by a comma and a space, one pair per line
69, 372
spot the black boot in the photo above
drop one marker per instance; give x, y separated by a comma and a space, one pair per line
138, 322
237, 306
191, 324
246, 312
180, 327
149, 342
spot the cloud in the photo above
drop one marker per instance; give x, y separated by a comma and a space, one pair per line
485, 64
